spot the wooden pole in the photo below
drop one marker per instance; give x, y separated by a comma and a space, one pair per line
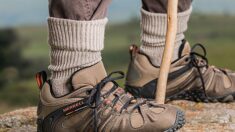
168, 51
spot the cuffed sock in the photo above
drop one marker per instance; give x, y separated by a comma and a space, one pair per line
153, 36
74, 45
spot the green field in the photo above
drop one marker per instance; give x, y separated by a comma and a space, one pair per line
217, 33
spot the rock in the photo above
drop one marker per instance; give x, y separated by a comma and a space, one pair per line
200, 117
210, 117
22, 120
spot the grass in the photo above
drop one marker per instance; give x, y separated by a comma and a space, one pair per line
215, 32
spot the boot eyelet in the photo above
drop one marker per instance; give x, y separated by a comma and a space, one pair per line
186, 60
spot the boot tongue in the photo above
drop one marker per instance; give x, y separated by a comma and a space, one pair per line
88, 77
184, 49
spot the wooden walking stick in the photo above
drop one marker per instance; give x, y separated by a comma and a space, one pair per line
168, 51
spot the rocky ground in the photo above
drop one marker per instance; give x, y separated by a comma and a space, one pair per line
22, 120
199, 118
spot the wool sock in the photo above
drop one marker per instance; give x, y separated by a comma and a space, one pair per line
153, 34
74, 45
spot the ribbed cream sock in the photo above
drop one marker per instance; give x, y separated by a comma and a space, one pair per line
74, 45
154, 26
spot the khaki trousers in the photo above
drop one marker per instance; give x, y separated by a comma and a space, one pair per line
97, 9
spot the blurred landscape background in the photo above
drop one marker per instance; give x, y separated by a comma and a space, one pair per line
24, 49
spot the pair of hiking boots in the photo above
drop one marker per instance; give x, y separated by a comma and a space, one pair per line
97, 103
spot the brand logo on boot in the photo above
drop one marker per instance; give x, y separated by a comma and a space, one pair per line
73, 107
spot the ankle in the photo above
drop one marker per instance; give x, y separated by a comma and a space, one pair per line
154, 26
155, 53
60, 87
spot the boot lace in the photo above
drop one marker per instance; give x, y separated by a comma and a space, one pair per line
200, 61
96, 98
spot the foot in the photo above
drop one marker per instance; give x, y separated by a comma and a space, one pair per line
190, 77
97, 103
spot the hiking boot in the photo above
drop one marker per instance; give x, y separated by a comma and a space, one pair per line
97, 103
190, 77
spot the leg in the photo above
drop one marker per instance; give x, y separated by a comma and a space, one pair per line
190, 77
95, 102
154, 26
76, 35
160, 6
78, 9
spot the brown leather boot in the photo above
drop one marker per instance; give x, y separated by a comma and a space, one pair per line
190, 77
97, 103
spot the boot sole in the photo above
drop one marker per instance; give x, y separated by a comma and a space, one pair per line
179, 123
199, 96
191, 95
142, 92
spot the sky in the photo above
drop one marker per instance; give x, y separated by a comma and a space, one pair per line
34, 12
